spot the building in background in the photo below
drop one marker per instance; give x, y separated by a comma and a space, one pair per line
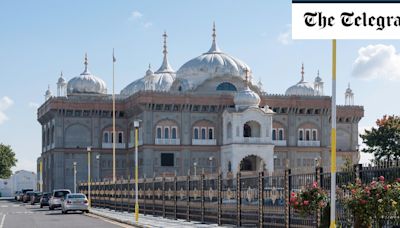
209, 114
19, 180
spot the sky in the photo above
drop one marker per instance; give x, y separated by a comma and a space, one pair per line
39, 39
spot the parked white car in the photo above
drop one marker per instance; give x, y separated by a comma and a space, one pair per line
75, 202
56, 197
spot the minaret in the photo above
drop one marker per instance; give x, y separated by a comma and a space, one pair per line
318, 85
214, 46
349, 96
302, 72
61, 86
48, 94
149, 80
165, 67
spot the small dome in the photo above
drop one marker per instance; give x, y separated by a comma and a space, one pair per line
302, 88
246, 98
86, 83
211, 64
348, 90
318, 79
48, 92
61, 79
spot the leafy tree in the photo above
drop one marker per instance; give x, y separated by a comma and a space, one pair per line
384, 140
7, 160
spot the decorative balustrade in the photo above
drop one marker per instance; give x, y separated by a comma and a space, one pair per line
204, 142
168, 142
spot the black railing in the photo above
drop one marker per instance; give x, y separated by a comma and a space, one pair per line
245, 199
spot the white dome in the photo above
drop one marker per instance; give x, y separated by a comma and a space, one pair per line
211, 64
302, 88
61, 80
86, 83
246, 98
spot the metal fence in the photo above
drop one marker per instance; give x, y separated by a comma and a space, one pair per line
245, 199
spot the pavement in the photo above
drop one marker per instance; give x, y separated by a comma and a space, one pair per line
147, 220
15, 214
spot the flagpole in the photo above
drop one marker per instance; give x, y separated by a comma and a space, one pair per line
113, 115
333, 139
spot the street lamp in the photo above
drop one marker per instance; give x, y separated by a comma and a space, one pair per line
211, 158
195, 168
74, 164
98, 166
89, 149
136, 124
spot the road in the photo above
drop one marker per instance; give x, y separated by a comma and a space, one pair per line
17, 214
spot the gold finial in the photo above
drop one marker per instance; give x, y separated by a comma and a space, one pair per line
302, 71
246, 72
165, 43
61, 75
149, 66
86, 60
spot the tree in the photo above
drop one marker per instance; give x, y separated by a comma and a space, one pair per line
384, 140
7, 161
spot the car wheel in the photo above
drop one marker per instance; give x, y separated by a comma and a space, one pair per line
51, 208
65, 212
41, 206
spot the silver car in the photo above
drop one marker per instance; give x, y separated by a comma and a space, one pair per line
74, 202
56, 197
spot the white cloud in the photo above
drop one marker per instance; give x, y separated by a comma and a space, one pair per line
285, 37
147, 24
33, 105
135, 15
5, 103
377, 61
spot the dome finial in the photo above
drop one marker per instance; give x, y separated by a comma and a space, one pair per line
302, 72
86, 62
214, 46
165, 67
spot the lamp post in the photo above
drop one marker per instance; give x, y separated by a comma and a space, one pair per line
89, 149
211, 158
195, 168
98, 166
136, 124
74, 164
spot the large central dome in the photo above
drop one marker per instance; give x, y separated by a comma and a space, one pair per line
211, 64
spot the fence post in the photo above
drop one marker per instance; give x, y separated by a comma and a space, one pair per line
163, 196
115, 195
238, 200
202, 195
188, 197
144, 198
260, 199
287, 195
175, 196
154, 197
318, 179
219, 197
129, 193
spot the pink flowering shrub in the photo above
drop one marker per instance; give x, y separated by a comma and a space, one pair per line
309, 200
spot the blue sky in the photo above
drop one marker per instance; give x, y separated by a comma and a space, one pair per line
41, 38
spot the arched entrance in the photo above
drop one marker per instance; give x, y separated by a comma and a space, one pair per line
251, 129
251, 163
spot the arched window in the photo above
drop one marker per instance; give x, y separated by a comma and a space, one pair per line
229, 130
159, 132
203, 133
120, 137
246, 130
226, 86
274, 134
166, 133
210, 133
106, 137
174, 133
308, 135
314, 134
280, 134
301, 134
196, 133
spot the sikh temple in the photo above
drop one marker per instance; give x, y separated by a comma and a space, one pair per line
208, 115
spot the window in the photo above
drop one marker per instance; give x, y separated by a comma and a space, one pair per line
280, 134
314, 134
196, 133
301, 133
226, 86
308, 135
210, 133
159, 132
274, 134
106, 137
166, 133
120, 137
112, 137
52, 135
167, 159
174, 133
246, 130
229, 130
203, 133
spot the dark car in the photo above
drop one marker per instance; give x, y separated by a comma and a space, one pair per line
35, 198
27, 196
44, 200
22, 193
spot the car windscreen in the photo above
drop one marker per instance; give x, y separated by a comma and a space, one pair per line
76, 196
60, 194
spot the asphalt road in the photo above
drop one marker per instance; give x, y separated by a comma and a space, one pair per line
20, 215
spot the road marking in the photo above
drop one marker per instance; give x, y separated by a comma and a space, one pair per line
107, 220
4, 205
2, 221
